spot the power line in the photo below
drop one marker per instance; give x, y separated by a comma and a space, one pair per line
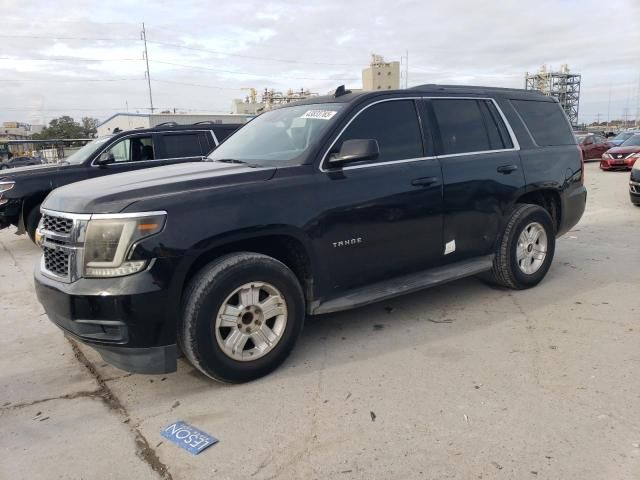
196, 67
68, 80
252, 57
71, 59
195, 84
64, 37
181, 46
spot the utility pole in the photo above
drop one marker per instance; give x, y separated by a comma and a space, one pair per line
406, 71
598, 115
143, 37
609, 107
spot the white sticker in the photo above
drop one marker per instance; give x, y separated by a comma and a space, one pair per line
450, 247
319, 114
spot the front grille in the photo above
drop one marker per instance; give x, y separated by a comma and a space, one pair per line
56, 261
619, 156
57, 224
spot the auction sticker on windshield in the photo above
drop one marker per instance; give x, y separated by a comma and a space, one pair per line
319, 114
190, 438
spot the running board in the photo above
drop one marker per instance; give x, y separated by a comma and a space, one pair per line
377, 292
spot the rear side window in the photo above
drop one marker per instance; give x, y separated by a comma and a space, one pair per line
182, 145
394, 124
222, 133
470, 126
546, 121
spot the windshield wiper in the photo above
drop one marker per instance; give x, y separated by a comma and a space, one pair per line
229, 160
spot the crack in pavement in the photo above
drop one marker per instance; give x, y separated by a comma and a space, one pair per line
68, 396
143, 449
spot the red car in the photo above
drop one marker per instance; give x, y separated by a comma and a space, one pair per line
592, 145
622, 157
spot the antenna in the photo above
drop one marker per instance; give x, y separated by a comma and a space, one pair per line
143, 37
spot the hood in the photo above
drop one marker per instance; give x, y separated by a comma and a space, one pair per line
629, 149
113, 193
21, 172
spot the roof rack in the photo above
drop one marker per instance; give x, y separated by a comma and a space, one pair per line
205, 122
167, 124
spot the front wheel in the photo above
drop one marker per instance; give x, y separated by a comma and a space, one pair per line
241, 317
33, 219
525, 250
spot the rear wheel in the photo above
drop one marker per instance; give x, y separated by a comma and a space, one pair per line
241, 317
31, 224
525, 249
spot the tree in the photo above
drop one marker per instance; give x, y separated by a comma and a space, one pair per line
89, 127
67, 127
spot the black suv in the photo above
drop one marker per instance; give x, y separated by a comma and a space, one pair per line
22, 190
15, 162
323, 205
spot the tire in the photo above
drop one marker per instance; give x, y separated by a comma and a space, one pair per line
203, 339
33, 219
508, 270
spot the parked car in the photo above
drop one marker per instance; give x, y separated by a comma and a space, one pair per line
622, 137
622, 157
23, 190
322, 205
592, 145
15, 162
634, 184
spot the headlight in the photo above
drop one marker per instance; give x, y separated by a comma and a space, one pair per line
6, 186
606, 155
636, 165
108, 243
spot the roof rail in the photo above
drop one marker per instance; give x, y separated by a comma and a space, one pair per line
167, 124
205, 122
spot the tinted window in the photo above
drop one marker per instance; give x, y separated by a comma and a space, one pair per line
222, 133
393, 124
182, 145
469, 126
133, 149
546, 121
633, 141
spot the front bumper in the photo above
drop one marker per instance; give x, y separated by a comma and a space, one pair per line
634, 192
130, 321
626, 164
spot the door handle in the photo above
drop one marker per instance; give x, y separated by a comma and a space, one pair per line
424, 181
507, 169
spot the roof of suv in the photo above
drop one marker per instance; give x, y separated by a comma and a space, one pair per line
437, 90
178, 128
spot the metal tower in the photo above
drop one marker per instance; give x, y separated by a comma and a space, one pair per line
562, 85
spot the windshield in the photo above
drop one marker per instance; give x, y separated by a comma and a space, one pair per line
634, 141
284, 135
622, 136
581, 138
81, 155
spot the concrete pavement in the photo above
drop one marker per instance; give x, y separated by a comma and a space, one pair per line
461, 381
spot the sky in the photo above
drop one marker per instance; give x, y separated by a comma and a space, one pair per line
85, 57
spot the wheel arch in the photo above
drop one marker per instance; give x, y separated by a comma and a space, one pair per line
547, 198
282, 244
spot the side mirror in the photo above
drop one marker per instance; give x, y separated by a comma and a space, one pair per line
356, 150
105, 158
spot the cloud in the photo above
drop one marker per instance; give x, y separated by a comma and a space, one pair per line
99, 68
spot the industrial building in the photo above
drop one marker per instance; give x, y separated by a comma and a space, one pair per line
562, 85
129, 121
17, 131
381, 75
